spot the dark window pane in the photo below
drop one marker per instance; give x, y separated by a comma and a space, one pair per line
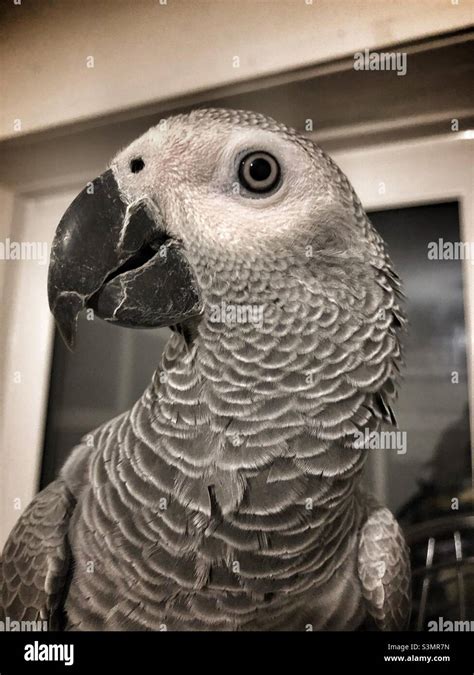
433, 403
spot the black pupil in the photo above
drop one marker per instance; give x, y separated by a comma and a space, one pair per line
260, 169
137, 165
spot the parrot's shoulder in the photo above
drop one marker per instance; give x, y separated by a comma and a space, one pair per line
75, 472
384, 568
35, 563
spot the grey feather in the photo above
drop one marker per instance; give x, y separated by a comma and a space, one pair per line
35, 562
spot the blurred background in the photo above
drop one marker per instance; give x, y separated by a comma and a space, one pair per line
80, 80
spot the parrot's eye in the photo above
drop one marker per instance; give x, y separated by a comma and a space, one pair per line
259, 172
136, 165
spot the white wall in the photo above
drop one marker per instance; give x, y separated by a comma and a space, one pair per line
6, 219
27, 351
145, 51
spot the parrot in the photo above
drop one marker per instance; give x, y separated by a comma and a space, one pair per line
231, 496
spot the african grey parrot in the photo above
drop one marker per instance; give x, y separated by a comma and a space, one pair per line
228, 497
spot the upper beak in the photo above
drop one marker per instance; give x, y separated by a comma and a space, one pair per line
116, 258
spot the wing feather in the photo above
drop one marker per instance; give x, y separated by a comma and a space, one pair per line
36, 558
384, 570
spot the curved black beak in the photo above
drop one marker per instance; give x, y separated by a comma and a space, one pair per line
117, 259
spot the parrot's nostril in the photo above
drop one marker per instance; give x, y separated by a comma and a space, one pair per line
136, 165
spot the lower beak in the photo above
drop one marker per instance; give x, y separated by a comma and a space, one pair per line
116, 258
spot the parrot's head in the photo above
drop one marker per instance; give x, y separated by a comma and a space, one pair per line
210, 207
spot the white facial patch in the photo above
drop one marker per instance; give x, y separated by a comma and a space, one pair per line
231, 214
